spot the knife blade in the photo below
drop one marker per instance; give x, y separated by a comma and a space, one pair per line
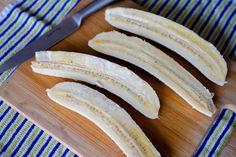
55, 35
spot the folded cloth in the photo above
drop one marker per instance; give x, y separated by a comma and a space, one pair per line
20, 24
25, 20
218, 135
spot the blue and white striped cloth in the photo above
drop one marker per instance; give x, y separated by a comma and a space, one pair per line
25, 20
214, 20
19, 137
218, 135
20, 24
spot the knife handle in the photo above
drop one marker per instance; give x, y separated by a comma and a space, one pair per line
91, 8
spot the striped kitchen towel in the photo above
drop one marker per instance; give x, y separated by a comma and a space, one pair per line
218, 135
25, 20
19, 137
214, 20
21, 23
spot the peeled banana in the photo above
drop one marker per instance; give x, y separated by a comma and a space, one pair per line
107, 115
200, 53
110, 76
157, 63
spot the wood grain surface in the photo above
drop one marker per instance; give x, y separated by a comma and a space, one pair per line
177, 133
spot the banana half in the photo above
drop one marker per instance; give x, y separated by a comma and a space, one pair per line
100, 72
200, 53
107, 115
157, 63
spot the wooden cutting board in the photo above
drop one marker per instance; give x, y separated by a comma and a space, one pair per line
177, 133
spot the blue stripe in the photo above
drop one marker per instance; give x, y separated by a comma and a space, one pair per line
172, 8
143, 3
9, 74
9, 125
16, 19
18, 16
65, 152
54, 149
210, 133
20, 28
200, 15
162, 7
13, 136
191, 12
209, 17
218, 20
1, 102
33, 143
233, 51
181, 10
77, 1
22, 141
50, 22
11, 71
5, 113
10, 13
75, 155
35, 22
231, 34
153, 4
222, 135
225, 27
44, 146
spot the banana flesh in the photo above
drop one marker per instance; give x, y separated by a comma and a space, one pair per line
157, 63
100, 72
107, 115
199, 52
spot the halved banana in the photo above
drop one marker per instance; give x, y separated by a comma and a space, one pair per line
200, 53
110, 76
157, 63
107, 115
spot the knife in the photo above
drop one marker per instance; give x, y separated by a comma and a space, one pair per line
55, 35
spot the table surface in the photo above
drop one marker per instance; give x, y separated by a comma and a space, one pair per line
177, 133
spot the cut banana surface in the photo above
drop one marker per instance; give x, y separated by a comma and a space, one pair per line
107, 115
110, 76
199, 52
157, 63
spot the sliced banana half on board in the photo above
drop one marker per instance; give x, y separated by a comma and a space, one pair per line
107, 115
157, 63
199, 52
97, 71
